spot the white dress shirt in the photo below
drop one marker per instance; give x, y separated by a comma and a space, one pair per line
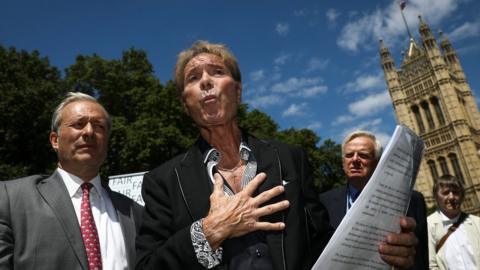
458, 250
112, 243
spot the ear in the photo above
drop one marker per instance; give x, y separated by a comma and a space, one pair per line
239, 92
184, 105
54, 140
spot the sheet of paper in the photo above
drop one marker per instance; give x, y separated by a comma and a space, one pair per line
377, 210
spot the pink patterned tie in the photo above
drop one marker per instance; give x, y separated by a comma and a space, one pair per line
89, 230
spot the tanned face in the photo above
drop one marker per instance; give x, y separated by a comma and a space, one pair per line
82, 139
211, 95
449, 200
359, 161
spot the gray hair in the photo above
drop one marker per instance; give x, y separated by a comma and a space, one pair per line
74, 97
378, 148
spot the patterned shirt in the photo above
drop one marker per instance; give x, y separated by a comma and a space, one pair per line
205, 255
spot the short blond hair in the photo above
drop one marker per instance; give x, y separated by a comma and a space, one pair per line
200, 47
378, 148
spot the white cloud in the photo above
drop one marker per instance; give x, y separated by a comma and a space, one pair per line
295, 110
466, 30
373, 126
301, 87
343, 119
332, 15
257, 75
265, 101
313, 91
362, 31
282, 59
300, 12
282, 29
365, 82
315, 125
315, 64
370, 105
294, 84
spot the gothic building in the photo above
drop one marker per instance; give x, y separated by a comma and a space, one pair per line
430, 95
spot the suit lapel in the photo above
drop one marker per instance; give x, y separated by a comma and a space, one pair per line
194, 183
268, 161
338, 207
55, 193
123, 208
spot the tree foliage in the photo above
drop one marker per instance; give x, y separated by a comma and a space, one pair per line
29, 89
149, 122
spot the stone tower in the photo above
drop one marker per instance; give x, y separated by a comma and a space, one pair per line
430, 94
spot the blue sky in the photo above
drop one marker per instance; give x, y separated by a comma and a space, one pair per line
309, 63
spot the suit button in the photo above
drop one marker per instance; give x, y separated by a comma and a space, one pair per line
258, 253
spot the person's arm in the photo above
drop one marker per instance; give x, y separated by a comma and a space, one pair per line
316, 214
160, 246
6, 234
432, 255
399, 248
234, 216
421, 255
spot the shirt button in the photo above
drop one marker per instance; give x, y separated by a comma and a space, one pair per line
258, 253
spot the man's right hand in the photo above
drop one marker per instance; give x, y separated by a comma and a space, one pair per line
234, 216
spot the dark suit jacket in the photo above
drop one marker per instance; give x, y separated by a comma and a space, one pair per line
39, 228
335, 201
176, 194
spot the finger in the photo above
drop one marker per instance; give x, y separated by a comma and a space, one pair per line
407, 224
268, 226
218, 184
253, 185
402, 262
268, 195
396, 251
271, 208
402, 239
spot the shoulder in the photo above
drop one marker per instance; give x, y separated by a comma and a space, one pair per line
332, 193
24, 182
168, 167
433, 217
474, 218
417, 196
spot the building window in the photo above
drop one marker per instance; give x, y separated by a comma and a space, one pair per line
428, 114
443, 165
418, 117
433, 169
438, 110
456, 167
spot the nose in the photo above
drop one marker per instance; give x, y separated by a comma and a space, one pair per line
206, 81
88, 130
355, 156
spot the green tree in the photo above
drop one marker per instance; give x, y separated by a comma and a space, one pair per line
150, 125
149, 122
29, 89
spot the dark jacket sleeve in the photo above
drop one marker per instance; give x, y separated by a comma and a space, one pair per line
418, 210
161, 245
6, 234
316, 214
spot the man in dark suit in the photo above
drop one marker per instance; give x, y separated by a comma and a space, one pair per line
361, 152
68, 220
232, 201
